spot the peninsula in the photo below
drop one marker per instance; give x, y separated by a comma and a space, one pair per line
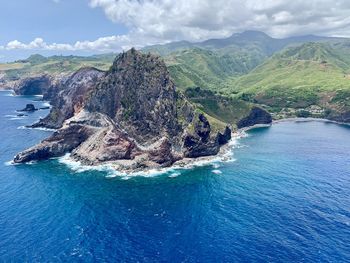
130, 116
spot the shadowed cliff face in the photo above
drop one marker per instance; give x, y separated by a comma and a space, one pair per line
36, 85
130, 116
256, 116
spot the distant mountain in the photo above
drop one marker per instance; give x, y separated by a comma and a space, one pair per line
246, 40
213, 63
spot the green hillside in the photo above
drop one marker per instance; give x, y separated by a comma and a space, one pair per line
210, 69
299, 77
225, 109
215, 63
245, 40
37, 64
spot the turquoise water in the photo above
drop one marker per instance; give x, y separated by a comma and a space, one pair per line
285, 198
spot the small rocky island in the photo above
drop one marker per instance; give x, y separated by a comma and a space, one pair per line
29, 108
131, 117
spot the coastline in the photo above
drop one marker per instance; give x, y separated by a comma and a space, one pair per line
309, 119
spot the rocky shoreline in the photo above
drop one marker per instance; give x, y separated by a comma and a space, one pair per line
115, 169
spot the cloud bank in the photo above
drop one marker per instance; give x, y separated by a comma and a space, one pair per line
160, 21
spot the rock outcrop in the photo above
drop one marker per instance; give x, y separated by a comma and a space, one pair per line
203, 141
137, 93
256, 116
29, 108
130, 117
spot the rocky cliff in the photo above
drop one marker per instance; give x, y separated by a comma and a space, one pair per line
256, 116
130, 116
35, 85
68, 95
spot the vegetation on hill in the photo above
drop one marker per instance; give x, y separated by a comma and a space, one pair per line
210, 69
215, 63
37, 64
224, 109
314, 74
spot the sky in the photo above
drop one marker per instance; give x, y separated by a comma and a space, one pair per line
85, 27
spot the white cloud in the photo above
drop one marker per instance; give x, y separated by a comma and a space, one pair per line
202, 19
102, 44
159, 21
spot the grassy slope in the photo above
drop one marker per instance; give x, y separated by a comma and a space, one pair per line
210, 69
220, 108
37, 64
313, 74
215, 63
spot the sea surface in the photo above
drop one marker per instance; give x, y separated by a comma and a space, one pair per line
284, 197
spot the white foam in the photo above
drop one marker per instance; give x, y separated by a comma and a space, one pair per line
10, 163
173, 175
11, 94
216, 165
36, 128
46, 104
173, 171
78, 167
15, 117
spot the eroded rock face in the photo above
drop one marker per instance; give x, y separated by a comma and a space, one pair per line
224, 137
202, 141
256, 116
68, 95
58, 144
130, 117
36, 85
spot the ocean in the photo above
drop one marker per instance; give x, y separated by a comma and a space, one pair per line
283, 197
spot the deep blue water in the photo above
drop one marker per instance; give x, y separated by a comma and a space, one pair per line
286, 198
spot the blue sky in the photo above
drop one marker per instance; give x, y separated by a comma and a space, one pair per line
65, 21
98, 26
